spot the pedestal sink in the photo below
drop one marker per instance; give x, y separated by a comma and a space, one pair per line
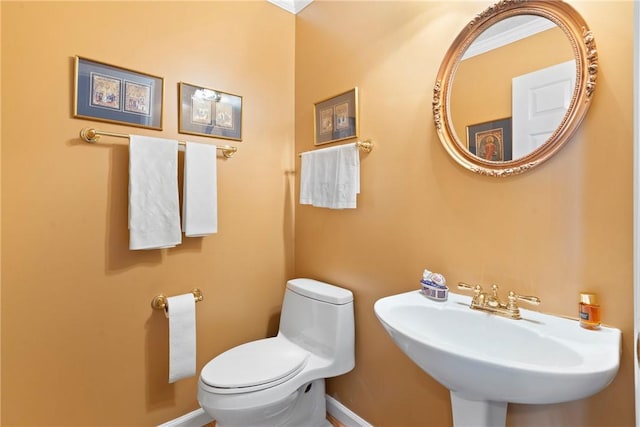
487, 361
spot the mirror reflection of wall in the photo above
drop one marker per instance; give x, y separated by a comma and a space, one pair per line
482, 88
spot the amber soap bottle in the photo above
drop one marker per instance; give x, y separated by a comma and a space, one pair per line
589, 311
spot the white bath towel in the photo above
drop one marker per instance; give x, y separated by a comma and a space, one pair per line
330, 177
200, 190
154, 212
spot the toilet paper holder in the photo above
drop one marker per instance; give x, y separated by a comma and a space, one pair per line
159, 302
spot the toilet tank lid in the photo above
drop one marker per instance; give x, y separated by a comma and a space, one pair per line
320, 291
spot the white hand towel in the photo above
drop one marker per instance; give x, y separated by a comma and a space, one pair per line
330, 177
182, 336
200, 190
154, 211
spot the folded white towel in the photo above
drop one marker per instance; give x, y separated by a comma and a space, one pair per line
154, 211
200, 190
330, 177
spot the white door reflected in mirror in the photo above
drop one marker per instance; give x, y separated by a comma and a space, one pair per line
540, 102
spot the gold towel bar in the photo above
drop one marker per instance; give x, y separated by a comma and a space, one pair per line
159, 302
366, 146
91, 135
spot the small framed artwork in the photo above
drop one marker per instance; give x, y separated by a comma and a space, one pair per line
491, 140
113, 94
336, 118
209, 112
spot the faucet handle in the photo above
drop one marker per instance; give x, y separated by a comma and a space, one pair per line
476, 289
530, 299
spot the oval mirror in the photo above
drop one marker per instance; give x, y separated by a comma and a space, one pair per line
514, 86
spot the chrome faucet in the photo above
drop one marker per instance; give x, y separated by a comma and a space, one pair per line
489, 301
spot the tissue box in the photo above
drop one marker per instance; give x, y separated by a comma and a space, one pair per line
434, 291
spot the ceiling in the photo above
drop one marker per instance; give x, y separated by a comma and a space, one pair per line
293, 6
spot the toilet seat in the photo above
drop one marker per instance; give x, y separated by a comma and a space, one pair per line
254, 366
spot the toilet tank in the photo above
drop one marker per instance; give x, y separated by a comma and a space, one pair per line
319, 317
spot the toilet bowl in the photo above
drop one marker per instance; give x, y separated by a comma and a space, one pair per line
280, 381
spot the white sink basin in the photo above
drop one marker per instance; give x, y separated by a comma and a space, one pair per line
481, 357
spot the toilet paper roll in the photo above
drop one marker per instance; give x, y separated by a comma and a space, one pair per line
182, 336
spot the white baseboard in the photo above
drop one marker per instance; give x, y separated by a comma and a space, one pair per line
196, 418
337, 410
343, 414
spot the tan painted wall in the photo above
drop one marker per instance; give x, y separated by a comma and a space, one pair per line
552, 232
0, 217
81, 345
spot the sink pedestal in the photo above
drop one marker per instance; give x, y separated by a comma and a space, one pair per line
477, 413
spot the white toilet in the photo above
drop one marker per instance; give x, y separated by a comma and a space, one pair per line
280, 381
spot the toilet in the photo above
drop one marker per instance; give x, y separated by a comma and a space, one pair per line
280, 381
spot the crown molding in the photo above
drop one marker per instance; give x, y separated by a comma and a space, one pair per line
498, 36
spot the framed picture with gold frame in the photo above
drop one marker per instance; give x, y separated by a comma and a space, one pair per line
491, 140
113, 94
209, 112
336, 118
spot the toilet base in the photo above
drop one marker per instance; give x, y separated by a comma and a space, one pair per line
305, 407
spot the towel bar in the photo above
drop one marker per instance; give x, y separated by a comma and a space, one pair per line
366, 146
159, 302
91, 136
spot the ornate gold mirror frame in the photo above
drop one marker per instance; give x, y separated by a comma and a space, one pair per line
584, 48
